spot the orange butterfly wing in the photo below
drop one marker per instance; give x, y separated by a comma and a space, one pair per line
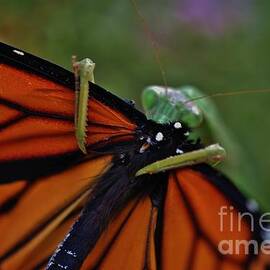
46, 178
192, 207
37, 118
36, 127
182, 233
29, 224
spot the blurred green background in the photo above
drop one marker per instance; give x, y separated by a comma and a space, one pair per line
215, 45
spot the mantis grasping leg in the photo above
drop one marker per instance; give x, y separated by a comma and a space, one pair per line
84, 72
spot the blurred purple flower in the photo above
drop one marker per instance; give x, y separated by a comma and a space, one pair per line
214, 16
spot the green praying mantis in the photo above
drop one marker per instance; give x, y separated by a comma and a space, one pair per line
189, 104
165, 104
84, 71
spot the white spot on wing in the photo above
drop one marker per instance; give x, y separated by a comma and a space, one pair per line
159, 137
18, 52
62, 266
177, 125
179, 151
71, 253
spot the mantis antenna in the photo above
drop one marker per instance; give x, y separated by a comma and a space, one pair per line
232, 93
153, 42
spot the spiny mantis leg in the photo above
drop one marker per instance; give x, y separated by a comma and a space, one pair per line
210, 154
83, 72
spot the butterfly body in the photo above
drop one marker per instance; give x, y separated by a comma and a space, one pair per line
165, 221
119, 185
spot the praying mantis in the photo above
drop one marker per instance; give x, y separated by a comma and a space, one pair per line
84, 72
185, 104
189, 104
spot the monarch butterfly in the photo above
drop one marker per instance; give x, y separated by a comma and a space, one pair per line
167, 220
